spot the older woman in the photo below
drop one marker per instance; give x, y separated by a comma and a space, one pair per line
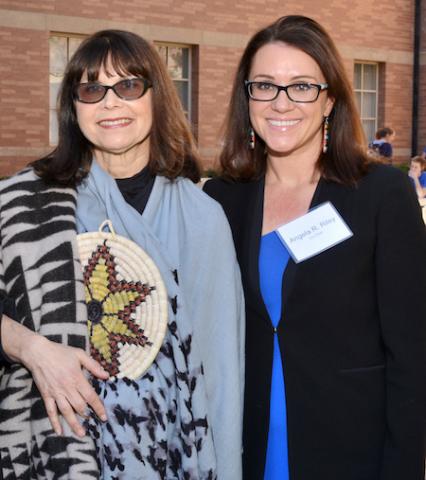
332, 252
125, 153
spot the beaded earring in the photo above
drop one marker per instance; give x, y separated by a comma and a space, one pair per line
252, 138
326, 135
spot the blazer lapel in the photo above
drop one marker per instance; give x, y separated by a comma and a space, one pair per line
291, 270
251, 245
252, 233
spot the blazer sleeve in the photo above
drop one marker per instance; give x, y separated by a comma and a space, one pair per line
401, 288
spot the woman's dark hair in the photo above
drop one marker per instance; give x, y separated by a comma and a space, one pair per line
172, 146
345, 160
383, 132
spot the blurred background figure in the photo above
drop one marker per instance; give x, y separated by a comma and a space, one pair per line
418, 175
381, 147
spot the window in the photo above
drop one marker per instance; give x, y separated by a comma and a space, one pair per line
61, 48
178, 61
366, 81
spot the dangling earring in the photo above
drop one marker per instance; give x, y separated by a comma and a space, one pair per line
326, 136
252, 138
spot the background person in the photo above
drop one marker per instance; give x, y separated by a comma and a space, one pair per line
382, 145
125, 153
336, 344
417, 175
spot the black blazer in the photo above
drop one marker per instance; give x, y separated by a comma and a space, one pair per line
352, 335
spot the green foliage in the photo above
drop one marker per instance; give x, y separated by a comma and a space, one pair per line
210, 173
403, 167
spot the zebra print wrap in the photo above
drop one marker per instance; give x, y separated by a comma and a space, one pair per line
40, 270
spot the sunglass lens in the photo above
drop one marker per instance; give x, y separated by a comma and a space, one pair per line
90, 92
130, 89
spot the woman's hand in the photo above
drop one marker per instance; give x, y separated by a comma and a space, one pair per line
415, 175
57, 372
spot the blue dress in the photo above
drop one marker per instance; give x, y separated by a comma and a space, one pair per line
273, 258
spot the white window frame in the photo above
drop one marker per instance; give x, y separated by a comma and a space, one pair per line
363, 90
53, 105
187, 80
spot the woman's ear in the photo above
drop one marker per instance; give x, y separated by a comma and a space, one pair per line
328, 106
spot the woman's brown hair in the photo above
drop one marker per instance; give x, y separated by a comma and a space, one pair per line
172, 147
420, 160
345, 160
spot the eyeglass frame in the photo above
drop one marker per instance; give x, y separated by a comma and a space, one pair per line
319, 86
147, 85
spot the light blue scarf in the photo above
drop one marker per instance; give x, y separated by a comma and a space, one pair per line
183, 231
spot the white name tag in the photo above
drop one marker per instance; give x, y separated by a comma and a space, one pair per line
318, 230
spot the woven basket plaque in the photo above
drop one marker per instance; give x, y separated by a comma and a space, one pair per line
126, 303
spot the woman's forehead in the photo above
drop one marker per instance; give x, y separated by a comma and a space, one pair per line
279, 59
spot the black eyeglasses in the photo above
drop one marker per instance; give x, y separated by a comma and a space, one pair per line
127, 89
296, 92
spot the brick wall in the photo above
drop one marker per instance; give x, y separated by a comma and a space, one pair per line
218, 67
24, 94
397, 106
350, 22
422, 86
219, 29
422, 111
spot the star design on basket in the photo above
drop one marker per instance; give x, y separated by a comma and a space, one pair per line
110, 305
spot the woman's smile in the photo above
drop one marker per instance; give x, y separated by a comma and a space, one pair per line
115, 122
282, 125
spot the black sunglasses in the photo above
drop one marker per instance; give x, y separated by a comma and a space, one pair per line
127, 89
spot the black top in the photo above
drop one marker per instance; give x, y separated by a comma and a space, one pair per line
136, 191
